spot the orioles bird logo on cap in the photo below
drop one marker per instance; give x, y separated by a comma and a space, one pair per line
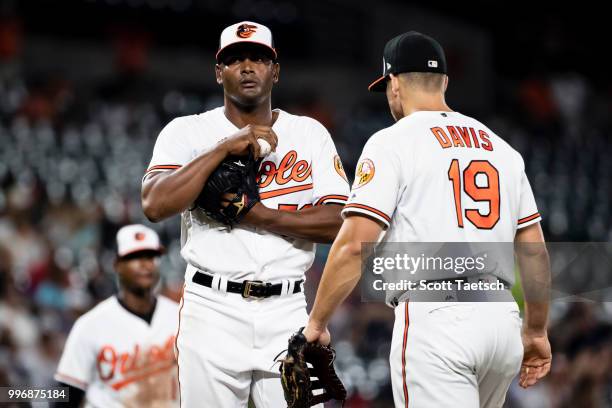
139, 236
246, 30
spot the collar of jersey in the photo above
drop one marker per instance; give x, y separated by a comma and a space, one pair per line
281, 114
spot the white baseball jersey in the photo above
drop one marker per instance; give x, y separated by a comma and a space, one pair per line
304, 171
443, 177
120, 360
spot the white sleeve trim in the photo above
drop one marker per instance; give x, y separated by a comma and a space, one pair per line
526, 221
370, 211
70, 381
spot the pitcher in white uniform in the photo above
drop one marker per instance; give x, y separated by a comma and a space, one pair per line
439, 176
243, 286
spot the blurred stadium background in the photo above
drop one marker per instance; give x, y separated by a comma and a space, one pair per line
86, 85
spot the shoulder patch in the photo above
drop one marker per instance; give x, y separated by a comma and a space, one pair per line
339, 168
365, 173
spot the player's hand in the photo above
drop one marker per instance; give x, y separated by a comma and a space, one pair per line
257, 216
537, 358
313, 333
245, 140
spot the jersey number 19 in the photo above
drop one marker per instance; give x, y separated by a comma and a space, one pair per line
489, 193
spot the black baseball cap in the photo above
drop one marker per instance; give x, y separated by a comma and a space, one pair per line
410, 52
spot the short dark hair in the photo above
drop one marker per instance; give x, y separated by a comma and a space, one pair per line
427, 81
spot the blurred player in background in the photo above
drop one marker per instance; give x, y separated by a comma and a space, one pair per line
121, 353
439, 176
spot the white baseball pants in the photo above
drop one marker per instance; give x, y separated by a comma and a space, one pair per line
226, 347
454, 354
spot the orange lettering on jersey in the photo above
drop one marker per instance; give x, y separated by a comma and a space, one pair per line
155, 353
465, 135
286, 165
288, 169
474, 138
462, 137
457, 142
266, 174
136, 365
107, 359
441, 136
129, 361
300, 171
486, 142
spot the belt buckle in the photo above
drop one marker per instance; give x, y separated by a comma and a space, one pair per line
249, 285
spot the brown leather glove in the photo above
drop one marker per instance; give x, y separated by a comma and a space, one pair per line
296, 375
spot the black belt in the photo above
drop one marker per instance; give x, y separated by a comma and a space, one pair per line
247, 288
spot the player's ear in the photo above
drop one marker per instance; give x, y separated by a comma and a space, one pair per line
218, 73
275, 72
445, 82
395, 85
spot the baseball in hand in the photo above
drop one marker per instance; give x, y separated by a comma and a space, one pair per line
264, 147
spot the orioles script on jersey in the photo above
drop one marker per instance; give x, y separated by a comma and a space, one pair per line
462, 136
290, 168
136, 365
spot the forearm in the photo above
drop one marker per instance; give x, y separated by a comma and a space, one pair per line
341, 275
342, 270
167, 194
317, 224
536, 318
534, 266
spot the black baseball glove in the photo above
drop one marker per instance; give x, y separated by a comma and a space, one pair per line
296, 375
237, 177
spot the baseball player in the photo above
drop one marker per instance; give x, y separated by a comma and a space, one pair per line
439, 176
243, 285
121, 353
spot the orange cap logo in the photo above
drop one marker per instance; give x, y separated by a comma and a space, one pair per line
364, 173
139, 236
246, 30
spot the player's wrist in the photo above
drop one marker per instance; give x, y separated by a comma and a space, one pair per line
257, 216
317, 325
224, 148
535, 331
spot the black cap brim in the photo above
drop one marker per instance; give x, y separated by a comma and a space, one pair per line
380, 85
135, 252
271, 51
